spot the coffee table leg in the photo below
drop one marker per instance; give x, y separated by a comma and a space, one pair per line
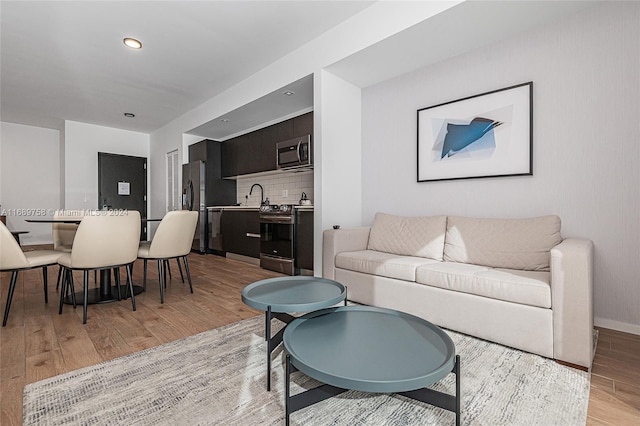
456, 370
440, 399
273, 342
268, 337
287, 390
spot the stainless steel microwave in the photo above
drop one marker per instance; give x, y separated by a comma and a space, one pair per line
294, 152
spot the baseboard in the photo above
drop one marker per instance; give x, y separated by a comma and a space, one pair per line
576, 366
617, 325
242, 258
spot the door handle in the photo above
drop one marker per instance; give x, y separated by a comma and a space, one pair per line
253, 235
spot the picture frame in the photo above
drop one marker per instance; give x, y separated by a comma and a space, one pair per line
480, 136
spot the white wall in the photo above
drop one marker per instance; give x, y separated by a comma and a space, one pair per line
338, 172
29, 178
586, 74
82, 144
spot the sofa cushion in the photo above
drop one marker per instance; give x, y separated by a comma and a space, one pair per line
524, 287
502, 243
380, 263
409, 236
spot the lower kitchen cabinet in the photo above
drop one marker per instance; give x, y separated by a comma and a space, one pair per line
241, 232
304, 240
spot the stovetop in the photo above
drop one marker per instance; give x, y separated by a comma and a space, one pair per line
275, 209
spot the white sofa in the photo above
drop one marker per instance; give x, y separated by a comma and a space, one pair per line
511, 281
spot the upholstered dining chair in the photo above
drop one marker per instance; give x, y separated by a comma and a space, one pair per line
172, 240
104, 240
64, 233
13, 259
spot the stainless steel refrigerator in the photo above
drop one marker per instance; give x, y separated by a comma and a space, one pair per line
193, 198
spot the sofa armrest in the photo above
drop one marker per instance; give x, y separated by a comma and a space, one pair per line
336, 241
572, 301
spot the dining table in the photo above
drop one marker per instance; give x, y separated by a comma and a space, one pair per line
16, 235
106, 292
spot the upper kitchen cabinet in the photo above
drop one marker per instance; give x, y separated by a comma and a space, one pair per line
218, 191
303, 125
250, 153
255, 152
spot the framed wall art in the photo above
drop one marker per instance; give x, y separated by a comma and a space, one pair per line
485, 135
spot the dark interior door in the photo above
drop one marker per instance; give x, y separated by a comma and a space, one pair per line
122, 184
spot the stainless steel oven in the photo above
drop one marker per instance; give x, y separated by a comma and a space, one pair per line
277, 238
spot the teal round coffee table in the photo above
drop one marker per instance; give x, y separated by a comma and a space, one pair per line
279, 296
369, 349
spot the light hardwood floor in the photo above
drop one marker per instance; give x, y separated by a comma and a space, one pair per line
37, 343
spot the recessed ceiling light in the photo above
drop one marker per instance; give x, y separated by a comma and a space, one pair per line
129, 115
225, 120
132, 43
289, 93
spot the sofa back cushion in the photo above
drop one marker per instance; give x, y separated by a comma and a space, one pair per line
523, 244
408, 236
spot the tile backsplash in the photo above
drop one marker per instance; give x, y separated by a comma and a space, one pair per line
295, 183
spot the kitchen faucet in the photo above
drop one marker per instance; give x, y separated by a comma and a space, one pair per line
261, 192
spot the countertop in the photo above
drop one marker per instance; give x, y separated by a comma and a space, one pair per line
248, 208
252, 208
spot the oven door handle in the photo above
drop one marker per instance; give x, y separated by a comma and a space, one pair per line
277, 219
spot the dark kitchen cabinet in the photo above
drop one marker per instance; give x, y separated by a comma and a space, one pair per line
260, 151
241, 232
218, 191
304, 240
230, 158
250, 153
255, 152
303, 125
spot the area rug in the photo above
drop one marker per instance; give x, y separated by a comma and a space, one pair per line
218, 378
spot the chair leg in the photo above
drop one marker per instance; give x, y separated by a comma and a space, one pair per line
144, 277
169, 269
85, 274
160, 280
116, 275
70, 287
59, 277
133, 297
62, 290
12, 287
186, 268
46, 289
180, 269
164, 272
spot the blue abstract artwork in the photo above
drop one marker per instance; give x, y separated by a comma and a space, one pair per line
485, 135
469, 136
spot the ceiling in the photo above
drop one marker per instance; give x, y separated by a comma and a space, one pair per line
67, 61
463, 28
466, 27
286, 102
